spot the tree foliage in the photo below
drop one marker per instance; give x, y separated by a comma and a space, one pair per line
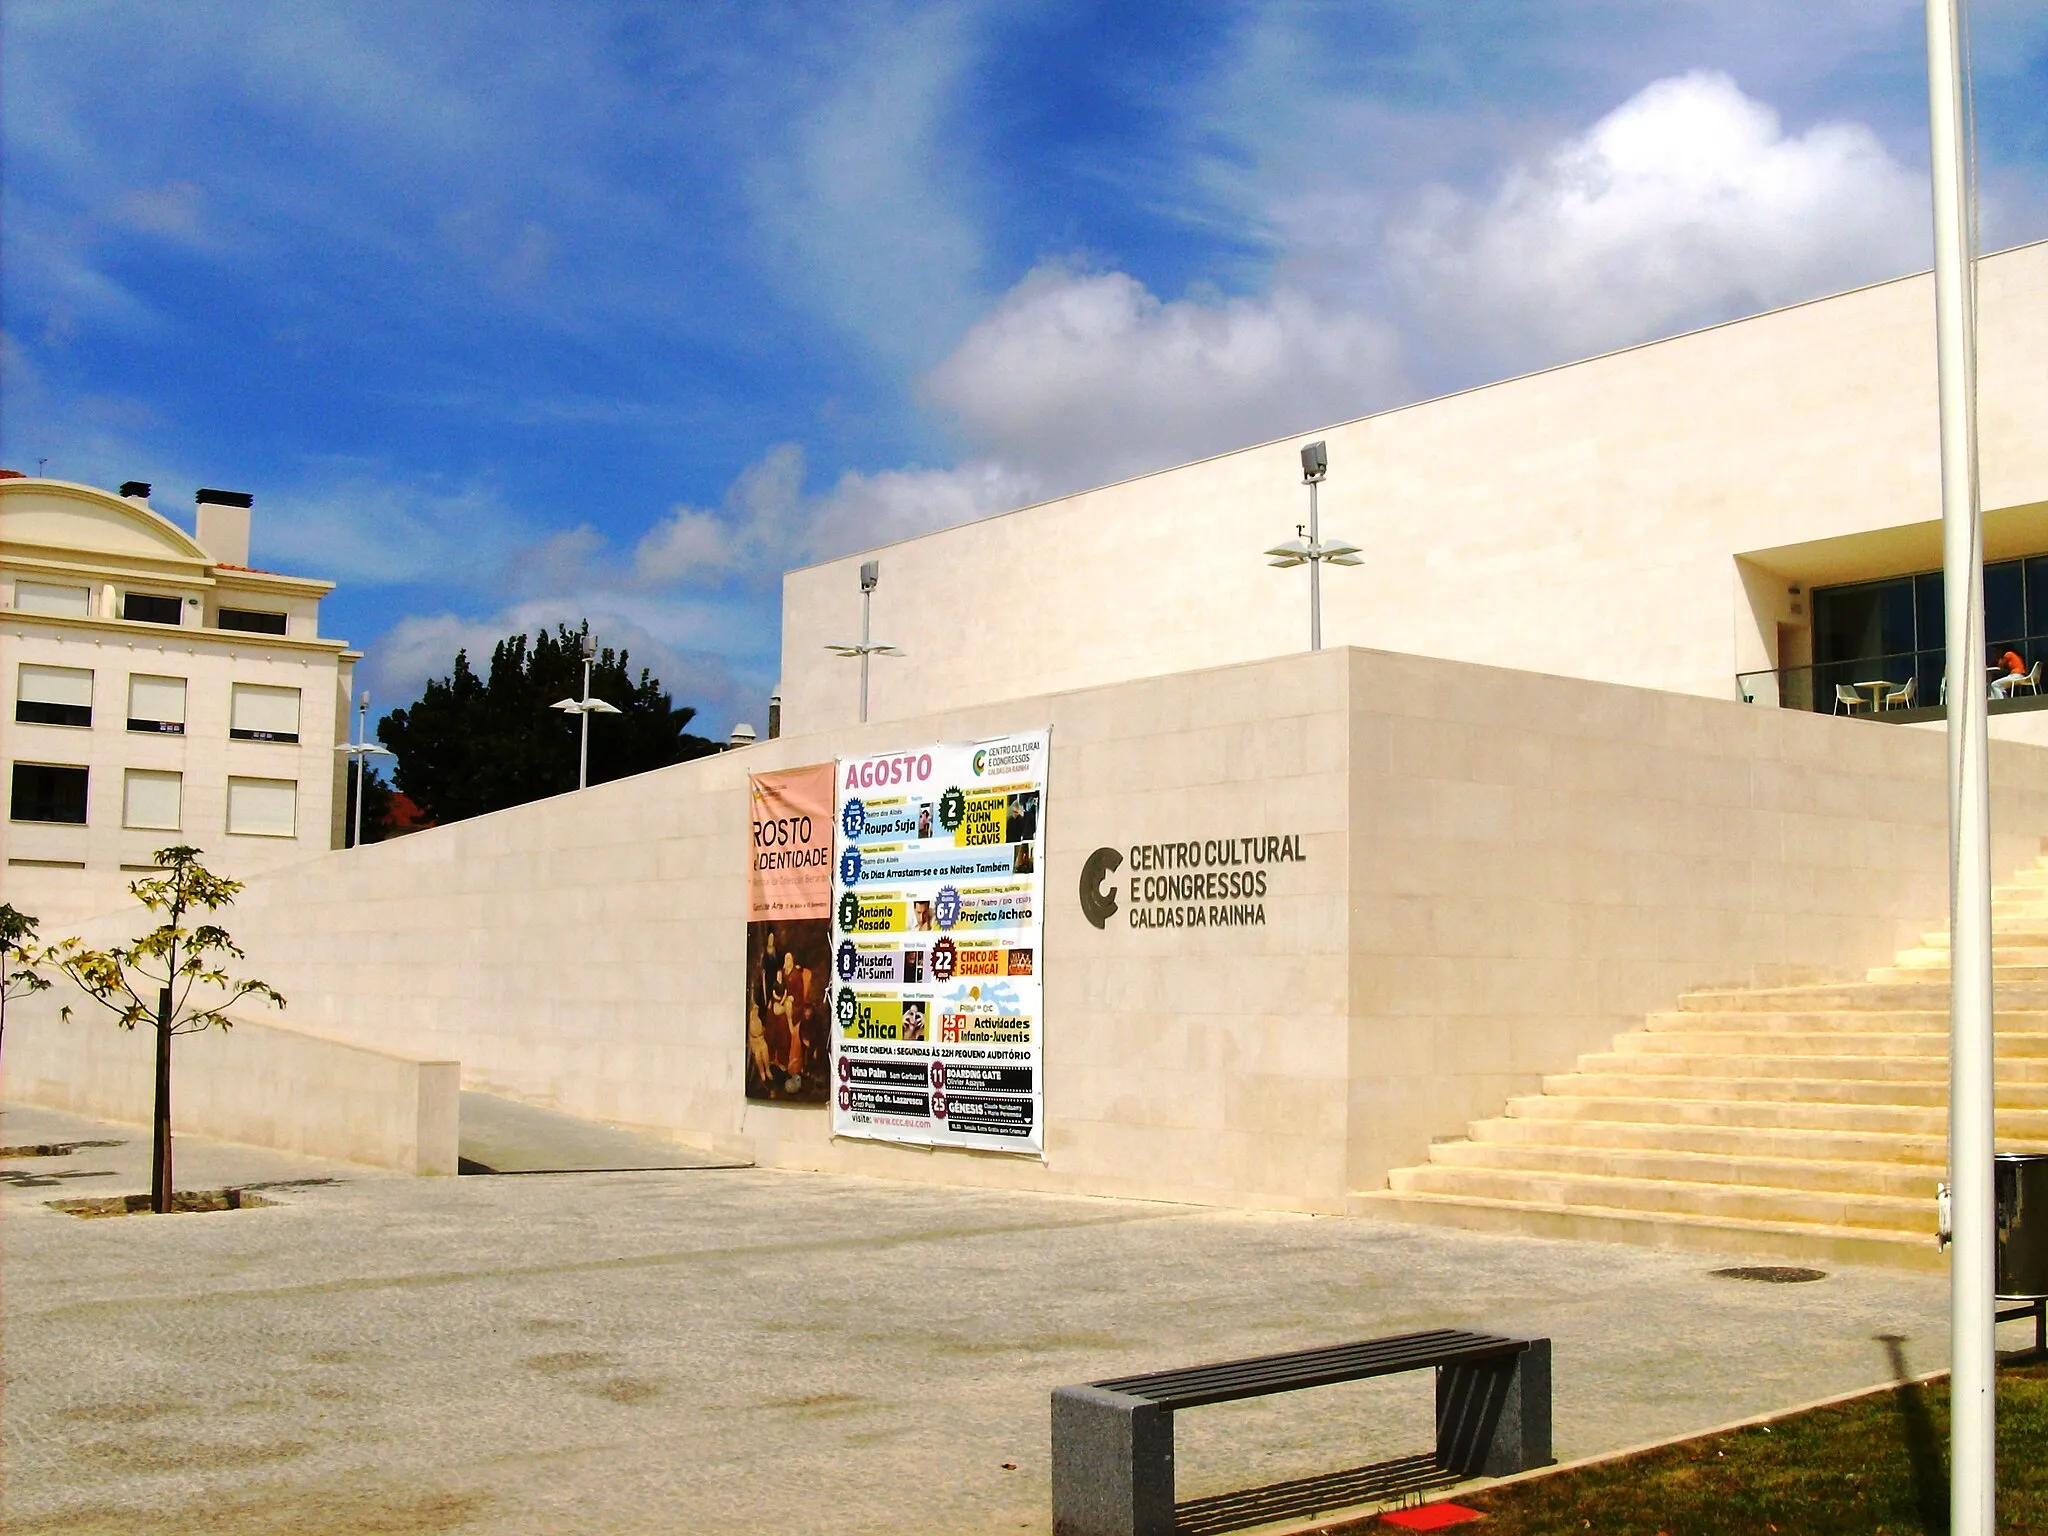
174, 961
171, 956
475, 744
18, 959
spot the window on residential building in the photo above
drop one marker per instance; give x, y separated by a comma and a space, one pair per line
156, 704
263, 807
48, 792
151, 799
43, 597
263, 713
148, 608
253, 621
53, 695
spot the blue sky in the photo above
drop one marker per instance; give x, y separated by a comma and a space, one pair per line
517, 312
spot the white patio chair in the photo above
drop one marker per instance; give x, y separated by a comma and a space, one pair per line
1847, 699
1901, 698
2029, 680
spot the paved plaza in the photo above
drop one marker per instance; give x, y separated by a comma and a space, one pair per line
732, 1350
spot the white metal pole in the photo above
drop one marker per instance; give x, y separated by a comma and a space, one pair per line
362, 759
866, 597
1315, 573
583, 745
1972, 1278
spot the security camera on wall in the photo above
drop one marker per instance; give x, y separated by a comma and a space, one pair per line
870, 574
1315, 462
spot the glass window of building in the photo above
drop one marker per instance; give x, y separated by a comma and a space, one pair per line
152, 608
262, 713
1893, 630
263, 807
156, 704
48, 792
53, 695
252, 621
45, 597
152, 800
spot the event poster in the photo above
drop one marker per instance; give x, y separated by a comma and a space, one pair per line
937, 943
789, 935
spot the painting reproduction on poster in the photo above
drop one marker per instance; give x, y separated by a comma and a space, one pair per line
937, 942
789, 934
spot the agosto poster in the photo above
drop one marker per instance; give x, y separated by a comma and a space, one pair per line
789, 934
937, 942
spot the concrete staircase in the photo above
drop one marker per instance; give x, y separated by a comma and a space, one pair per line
1800, 1122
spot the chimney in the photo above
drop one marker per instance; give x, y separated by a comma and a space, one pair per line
136, 491
224, 525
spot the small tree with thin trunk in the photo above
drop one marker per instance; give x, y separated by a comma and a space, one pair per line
172, 961
18, 957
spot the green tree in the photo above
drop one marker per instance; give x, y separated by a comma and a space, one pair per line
475, 744
376, 808
18, 957
171, 960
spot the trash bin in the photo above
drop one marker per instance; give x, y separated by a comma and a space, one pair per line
2022, 1183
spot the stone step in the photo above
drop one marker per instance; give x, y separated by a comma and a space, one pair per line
1892, 1119
2004, 936
1842, 1020
1717, 1202
2002, 974
1742, 1040
1724, 1140
1917, 994
1930, 1093
1790, 1241
1934, 957
1906, 1181
1770, 1066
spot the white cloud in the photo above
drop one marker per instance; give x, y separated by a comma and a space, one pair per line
769, 522
1687, 204
359, 527
1079, 376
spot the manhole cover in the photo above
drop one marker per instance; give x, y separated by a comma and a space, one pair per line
1772, 1274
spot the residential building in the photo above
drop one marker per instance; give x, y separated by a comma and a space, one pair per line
160, 690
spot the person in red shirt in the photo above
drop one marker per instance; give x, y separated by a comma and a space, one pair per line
2015, 671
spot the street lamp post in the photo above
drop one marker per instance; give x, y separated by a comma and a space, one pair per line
586, 707
360, 750
1312, 551
870, 574
1973, 1317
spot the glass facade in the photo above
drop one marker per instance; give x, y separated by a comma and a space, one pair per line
1892, 631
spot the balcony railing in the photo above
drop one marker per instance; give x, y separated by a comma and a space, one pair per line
1903, 686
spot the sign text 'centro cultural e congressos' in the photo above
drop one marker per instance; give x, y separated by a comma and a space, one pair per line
937, 941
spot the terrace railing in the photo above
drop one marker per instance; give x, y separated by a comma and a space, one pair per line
1878, 683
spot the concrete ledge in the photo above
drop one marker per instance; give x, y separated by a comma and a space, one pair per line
260, 1083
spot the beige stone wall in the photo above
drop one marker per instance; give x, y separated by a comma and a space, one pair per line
260, 1083
1584, 521
1537, 862
1500, 870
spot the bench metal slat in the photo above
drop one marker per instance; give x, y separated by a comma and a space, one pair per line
1227, 1380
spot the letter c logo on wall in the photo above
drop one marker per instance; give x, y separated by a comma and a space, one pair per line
1098, 904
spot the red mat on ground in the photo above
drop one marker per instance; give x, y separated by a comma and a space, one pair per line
1431, 1517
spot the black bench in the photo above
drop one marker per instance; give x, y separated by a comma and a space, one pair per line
1112, 1441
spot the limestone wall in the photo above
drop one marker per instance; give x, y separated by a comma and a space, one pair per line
260, 1083
1584, 520
1499, 870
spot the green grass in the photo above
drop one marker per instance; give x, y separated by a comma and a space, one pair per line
1876, 1465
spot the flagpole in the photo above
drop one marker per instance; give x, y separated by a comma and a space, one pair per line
1972, 1279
